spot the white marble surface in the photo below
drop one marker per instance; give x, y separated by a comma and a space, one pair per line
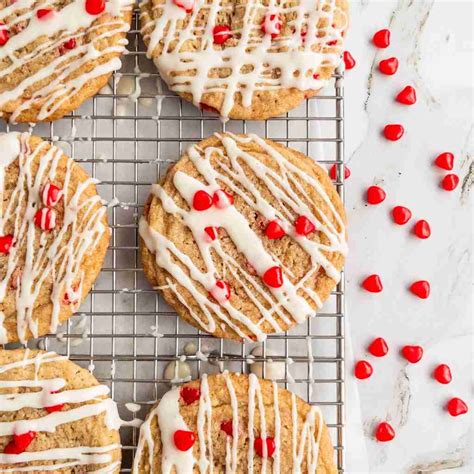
433, 41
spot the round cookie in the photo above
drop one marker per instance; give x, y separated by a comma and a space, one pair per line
244, 236
53, 236
54, 55
226, 421
54, 416
242, 59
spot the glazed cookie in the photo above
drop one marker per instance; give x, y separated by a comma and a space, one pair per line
233, 423
54, 416
244, 236
54, 55
53, 236
246, 60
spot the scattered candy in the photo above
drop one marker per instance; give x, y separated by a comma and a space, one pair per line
304, 226
19, 443
456, 407
445, 161
407, 96
227, 427
222, 199
51, 195
186, 5
95, 7
381, 38
378, 347
442, 374
202, 200
4, 36
221, 292
412, 354
45, 219
273, 277
184, 440
422, 229
43, 12
6, 242
384, 432
421, 289
373, 283
363, 370
190, 395
401, 215
393, 132
259, 446
211, 232
333, 172
375, 195
388, 66
271, 24
221, 34
450, 182
349, 61
274, 230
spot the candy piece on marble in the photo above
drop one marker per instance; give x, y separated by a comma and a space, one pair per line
211, 232
333, 172
19, 443
384, 432
273, 277
186, 5
445, 161
45, 218
421, 288
304, 226
221, 33
388, 66
450, 182
456, 407
44, 13
259, 444
222, 199
274, 230
349, 61
363, 369
381, 38
401, 215
442, 374
393, 132
51, 195
202, 200
190, 394
274, 370
184, 440
407, 96
375, 195
271, 24
221, 292
422, 229
373, 284
227, 427
6, 242
412, 354
95, 7
378, 347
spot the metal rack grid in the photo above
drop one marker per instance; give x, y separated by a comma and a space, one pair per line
127, 142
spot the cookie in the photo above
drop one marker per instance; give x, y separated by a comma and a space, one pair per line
54, 55
53, 236
54, 416
243, 236
234, 423
245, 60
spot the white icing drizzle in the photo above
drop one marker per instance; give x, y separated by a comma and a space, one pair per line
281, 302
59, 256
60, 458
254, 61
71, 22
305, 440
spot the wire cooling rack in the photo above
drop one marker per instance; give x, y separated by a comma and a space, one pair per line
126, 137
